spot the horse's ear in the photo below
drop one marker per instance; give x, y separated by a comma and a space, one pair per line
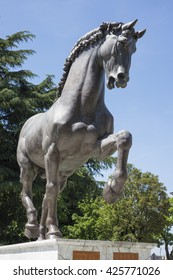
129, 25
139, 34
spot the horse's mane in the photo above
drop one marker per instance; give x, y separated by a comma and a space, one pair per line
88, 39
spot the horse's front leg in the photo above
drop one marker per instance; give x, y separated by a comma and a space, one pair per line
44, 214
121, 143
52, 191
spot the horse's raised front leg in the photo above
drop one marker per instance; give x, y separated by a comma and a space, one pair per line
52, 192
120, 142
27, 176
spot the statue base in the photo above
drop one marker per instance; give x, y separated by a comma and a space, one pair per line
72, 249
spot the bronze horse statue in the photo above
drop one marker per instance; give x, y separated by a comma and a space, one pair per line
78, 126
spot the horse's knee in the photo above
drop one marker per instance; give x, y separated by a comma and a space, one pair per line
52, 189
24, 196
124, 140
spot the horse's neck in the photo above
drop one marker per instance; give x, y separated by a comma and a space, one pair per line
84, 85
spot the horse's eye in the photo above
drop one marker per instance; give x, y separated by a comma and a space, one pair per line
122, 43
126, 32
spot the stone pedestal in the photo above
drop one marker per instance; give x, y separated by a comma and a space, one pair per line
69, 249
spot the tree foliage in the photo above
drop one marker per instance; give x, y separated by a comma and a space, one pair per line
19, 100
140, 216
166, 236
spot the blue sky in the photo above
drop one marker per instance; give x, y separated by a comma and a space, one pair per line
145, 106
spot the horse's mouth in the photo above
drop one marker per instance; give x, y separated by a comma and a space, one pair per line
119, 83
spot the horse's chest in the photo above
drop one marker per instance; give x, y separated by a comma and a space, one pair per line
78, 139
76, 145
87, 133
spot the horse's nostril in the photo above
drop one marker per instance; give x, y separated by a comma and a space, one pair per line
121, 76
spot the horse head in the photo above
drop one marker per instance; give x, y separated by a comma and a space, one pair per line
115, 54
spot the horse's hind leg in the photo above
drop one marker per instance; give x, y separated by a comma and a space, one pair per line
27, 176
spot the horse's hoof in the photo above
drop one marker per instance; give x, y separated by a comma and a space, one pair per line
41, 237
31, 231
110, 196
54, 235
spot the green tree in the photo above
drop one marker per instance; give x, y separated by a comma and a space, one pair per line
166, 237
19, 100
140, 216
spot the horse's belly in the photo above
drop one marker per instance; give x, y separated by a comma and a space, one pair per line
71, 163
